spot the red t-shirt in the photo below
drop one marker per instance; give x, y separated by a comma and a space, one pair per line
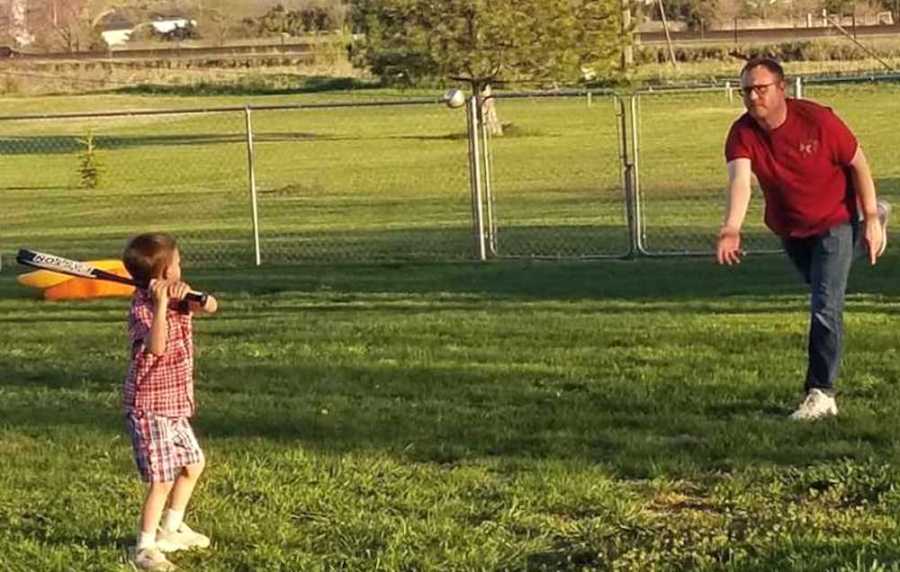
802, 167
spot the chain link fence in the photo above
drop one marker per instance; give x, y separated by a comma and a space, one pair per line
370, 182
367, 183
679, 155
183, 173
556, 187
574, 175
875, 125
680, 174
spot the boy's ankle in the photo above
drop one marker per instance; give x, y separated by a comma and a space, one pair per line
145, 540
172, 519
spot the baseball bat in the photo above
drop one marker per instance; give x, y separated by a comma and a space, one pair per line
62, 265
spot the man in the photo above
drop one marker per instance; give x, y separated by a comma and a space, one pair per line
820, 200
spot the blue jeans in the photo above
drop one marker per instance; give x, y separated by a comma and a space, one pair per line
824, 262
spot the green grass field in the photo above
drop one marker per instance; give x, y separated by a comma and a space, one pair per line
515, 415
512, 416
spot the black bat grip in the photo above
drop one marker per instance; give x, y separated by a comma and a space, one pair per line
199, 297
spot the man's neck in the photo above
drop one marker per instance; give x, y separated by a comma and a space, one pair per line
775, 121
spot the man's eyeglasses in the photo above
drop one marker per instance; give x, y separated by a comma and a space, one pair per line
761, 89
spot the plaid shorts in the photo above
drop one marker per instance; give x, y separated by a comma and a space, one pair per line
162, 445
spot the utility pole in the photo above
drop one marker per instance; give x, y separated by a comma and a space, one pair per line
662, 13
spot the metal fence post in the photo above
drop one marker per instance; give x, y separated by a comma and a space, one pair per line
251, 168
798, 87
627, 174
473, 123
636, 218
490, 228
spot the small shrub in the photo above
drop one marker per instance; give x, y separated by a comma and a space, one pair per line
89, 167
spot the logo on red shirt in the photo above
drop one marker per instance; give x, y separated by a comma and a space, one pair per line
809, 148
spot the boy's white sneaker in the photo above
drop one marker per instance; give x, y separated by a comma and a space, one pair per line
817, 404
182, 539
151, 559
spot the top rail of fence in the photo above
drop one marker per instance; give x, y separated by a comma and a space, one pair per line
556, 93
289, 106
225, 109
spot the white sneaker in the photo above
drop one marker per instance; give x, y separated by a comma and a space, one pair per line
182, 539
884, 213
816, 405
151, 559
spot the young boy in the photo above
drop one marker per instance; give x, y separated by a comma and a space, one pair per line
159, 397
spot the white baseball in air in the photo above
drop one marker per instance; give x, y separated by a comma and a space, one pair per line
455, 98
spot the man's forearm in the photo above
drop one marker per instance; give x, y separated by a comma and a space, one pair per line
865, 191
737, 205
864, 185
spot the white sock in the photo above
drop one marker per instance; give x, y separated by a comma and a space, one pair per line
172, 520
146, 540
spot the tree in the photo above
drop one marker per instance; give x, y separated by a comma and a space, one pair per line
15, 24
70, 25
839, 6
694, 13
275, 21
483, 41
216, 26
310, 18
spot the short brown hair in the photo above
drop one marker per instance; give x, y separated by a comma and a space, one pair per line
764, 62
147, 255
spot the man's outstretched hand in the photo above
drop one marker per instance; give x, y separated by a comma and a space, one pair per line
728, 248
874, 235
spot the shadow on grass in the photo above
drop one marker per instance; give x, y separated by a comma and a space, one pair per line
449, 413
847, 555
679, 278
659, 279
445, 416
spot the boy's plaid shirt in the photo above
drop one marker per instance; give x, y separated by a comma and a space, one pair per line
161, 384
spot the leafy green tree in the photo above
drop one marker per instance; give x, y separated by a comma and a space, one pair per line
483, 41
839, 6
311, 18
217, 25
276, 20
70, 25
